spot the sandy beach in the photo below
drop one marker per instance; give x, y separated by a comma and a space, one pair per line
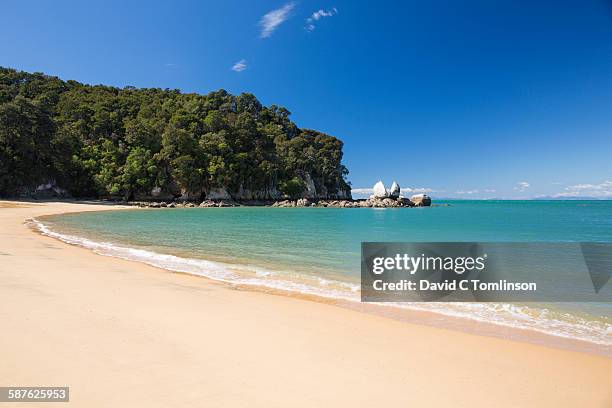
121, 333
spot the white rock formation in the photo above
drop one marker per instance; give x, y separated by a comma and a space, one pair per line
421, 200
394, 192
379, 190
311, 190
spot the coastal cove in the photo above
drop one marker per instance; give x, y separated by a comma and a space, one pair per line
220, 243
122, 335
118, 340
299, 204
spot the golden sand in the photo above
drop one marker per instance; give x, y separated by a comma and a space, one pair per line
122, 333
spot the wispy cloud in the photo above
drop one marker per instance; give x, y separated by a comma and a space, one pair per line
521, 186
317, 15
271, 20
601, 190
239, 66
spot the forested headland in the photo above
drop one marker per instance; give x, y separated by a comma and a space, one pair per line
127, 143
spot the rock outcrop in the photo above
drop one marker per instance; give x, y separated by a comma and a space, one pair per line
314, 189
372, 202
220, 198
49, 190
387, 202
379, 190
394, 192
270, 192
218, 194
421, 200
311, 189
218, 203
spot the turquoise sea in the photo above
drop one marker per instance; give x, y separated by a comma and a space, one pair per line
317, 250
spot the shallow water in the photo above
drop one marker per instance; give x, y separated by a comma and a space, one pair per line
317, 250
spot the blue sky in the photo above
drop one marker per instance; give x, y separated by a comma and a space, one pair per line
472, 99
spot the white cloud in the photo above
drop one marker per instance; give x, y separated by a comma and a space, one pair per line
469, 192
271, 20
239, 66
601, 190
317, 15
417, 190
521, 186
606, 185
361, 191
403, 190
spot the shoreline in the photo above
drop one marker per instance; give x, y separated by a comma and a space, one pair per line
447, 353
463, 319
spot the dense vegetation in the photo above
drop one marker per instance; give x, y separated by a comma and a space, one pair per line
101, 141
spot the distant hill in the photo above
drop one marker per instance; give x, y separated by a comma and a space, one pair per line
101, 141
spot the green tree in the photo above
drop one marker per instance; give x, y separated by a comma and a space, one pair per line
139, 173
106, 141
25, 145
293, 188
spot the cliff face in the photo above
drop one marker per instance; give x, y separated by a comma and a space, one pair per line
312, 191
66, 138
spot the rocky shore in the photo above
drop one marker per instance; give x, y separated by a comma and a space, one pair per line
382, 198
369, 203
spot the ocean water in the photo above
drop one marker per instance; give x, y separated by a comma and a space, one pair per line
317, 250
